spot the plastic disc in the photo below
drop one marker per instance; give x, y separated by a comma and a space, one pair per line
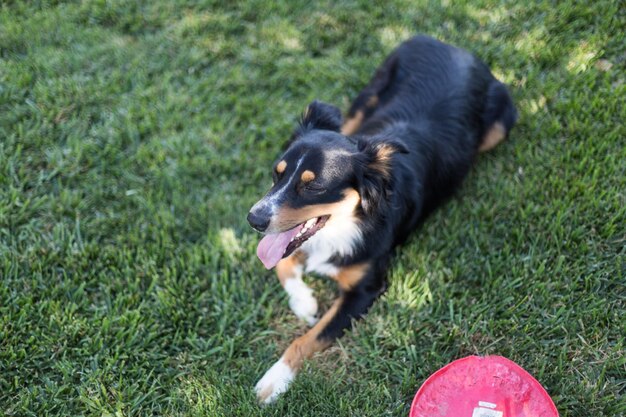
490, 386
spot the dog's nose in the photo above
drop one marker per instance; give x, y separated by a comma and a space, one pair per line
260, 223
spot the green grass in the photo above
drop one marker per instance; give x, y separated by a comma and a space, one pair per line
135, 136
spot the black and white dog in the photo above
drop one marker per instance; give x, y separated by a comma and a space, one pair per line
345, 194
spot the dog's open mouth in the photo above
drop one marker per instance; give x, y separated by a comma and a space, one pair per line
276, 246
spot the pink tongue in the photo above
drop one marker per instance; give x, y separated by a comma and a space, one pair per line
272, 247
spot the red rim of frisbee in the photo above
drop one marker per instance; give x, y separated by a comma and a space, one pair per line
486, 386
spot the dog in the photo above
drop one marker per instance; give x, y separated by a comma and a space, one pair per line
346, 193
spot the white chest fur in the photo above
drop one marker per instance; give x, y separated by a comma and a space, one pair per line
340, 236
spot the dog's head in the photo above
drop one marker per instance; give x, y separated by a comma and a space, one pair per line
322, 180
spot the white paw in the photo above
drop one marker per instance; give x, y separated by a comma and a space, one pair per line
301, 300
275, 381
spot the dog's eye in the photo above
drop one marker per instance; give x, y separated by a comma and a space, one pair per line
312, 187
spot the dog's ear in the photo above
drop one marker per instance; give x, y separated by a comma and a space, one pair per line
317, 115
320, 115
374, 176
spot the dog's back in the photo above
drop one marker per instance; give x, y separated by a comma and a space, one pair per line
424, 82
444, 105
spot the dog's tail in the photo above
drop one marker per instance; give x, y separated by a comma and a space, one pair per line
499, 116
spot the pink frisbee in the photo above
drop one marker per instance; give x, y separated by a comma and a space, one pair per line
490, 386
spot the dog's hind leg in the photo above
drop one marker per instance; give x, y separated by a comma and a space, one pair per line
360, 287
370, 97
499, 116
494, 135
301, 299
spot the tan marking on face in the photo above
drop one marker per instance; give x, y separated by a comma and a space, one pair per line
306, 112
307, 176
372, 102
280, 168
306, 345
285, 269
352, 125
493, 137
350, 276
288, 217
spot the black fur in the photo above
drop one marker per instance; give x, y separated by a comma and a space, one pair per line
433, 105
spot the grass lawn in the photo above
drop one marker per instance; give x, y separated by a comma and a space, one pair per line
134, 137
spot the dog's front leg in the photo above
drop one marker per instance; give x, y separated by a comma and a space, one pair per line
357, 296
301, 299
